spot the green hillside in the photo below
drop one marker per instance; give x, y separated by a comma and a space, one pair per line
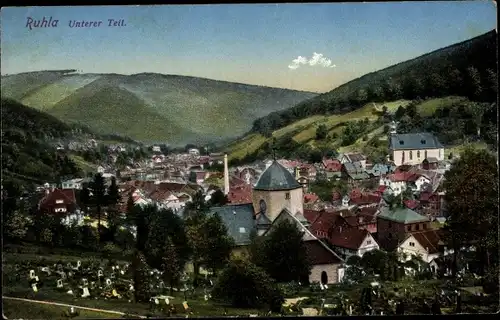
26, 153
443, 79
467, 69
150, 107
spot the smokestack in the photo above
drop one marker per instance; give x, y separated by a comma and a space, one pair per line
226, 176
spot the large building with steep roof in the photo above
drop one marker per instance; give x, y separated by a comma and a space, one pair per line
414, 148
277, 196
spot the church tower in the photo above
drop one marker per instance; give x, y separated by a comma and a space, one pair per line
277, 190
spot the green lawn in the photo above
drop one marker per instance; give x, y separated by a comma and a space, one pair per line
29, 310
19, 288
82, 164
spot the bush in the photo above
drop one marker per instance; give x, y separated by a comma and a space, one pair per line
244, 285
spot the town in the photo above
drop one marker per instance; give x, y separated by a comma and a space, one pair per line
394, 209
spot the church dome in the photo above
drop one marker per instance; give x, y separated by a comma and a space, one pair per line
275, 178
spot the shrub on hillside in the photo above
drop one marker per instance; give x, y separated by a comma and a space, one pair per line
243, 284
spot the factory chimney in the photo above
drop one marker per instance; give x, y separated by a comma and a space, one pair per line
226, 176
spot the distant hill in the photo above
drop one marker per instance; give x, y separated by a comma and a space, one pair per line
27, 154
460, 69
458, 75
150, 107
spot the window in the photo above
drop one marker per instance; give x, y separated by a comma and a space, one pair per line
423, 226
418, 226
59, 201
418, 154
368, 242
425, 154
242, 230
411, 155
287, 196
408, 228
412, 244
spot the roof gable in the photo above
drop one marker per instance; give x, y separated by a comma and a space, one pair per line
401, 215
414, 141
239, 221
276, 177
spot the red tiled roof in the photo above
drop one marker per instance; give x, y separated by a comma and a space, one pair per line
350, 238
325, 221
310, 197
411, 204
381, 189
332, 165
366, 198
355, 193
49, 201
240, 194
400, 176
311, 215
318, 254
429, 239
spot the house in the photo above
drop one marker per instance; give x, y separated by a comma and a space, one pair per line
394, 224
194, 152
379, 169
426, 244
352, 158
58, 201
332, 168
430, 163
239, 221
354, 173
326, 264
397, 182
413, 148
156, 149
418, 182
351, 241
72, 184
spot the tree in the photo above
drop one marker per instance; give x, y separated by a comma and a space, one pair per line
473, 83
172, 265
16, 226
477, 110
210, 242
244, 285
112, 200
471, 187
85, 199
400, 112
268, 253
218, 198
455, 81
321, 132
142, 281
491, 85
98, 189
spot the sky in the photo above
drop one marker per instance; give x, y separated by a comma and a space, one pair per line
312, 47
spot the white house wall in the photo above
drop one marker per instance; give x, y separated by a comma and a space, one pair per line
331, 272
431, 153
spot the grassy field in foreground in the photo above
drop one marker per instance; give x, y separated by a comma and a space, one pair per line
30, 310
19, 288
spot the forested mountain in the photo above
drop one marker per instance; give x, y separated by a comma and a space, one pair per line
150, 107
466, 69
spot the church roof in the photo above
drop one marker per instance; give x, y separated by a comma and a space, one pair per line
239, 221
414, 141
276, 177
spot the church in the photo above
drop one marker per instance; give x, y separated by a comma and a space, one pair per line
277, 196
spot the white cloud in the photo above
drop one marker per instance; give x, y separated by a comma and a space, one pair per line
316, 60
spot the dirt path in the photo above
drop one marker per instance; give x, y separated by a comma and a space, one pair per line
69, 305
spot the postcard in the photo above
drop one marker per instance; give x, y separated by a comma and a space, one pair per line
249, 160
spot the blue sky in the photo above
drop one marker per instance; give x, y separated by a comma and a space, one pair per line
243, 43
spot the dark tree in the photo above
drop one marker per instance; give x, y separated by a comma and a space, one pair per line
244, 285
267, 252
98, 189
321, 132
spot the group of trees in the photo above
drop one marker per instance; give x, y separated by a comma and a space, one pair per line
466, 69
452, 124
471, 187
